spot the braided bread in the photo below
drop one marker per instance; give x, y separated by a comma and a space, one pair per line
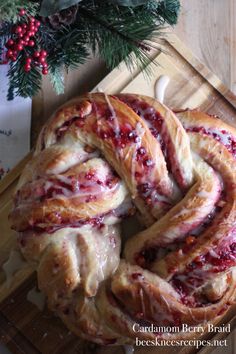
98, 160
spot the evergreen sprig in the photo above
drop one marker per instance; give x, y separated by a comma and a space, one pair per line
115, 32
21, 83
9, 9
5, 30
57, 80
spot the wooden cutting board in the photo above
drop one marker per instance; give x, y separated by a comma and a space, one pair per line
23, 328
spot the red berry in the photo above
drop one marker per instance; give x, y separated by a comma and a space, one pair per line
13, 58
26, 38
9, 43
9, 54
37, 23
31, 43
42, 60
30, 33
24, 26
45, 71
15, 53
43, 53
45, 65
28, 60
27, 67
20, 41
22, 12
36, 54
19, 47
20, 35
15, 48
18, 29
32, 19
32, 28
32, 24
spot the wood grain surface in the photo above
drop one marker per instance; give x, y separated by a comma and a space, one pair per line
207, 27
22, 327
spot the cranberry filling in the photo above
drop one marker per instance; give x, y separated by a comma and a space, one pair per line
97, 222
136, 276
226, 259
65, 126
85, 185
224, 309
124, 136
150, 254
145, 189
155, 122
57, 188
148, 113
145, 257
121, 136
60, 222
196, 272
151, 195
224, 137
195, 300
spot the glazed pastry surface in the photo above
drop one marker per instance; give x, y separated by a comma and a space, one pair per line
101, 159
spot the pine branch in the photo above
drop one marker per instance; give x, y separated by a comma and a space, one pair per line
5, 31
21, 83
168, 11
118, 32
152, 5
65, 47
9, 9
57, 80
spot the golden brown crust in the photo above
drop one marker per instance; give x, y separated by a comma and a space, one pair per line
96, 155
175, 141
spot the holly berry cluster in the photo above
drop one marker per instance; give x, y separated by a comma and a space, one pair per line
68, 29
38, 59
23, 38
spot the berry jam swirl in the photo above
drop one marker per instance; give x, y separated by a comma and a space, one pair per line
222, 136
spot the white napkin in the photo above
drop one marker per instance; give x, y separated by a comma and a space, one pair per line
15, 119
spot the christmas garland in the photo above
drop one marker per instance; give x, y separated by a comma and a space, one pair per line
45, 37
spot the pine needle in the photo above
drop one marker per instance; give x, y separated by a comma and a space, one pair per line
115, 33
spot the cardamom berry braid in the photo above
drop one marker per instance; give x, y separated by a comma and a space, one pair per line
97, 160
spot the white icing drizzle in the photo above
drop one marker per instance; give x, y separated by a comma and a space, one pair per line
137, 144
92, 188
114, 116
14, 263
100, 89
37, 298
224, 138
160, 87
128, 349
